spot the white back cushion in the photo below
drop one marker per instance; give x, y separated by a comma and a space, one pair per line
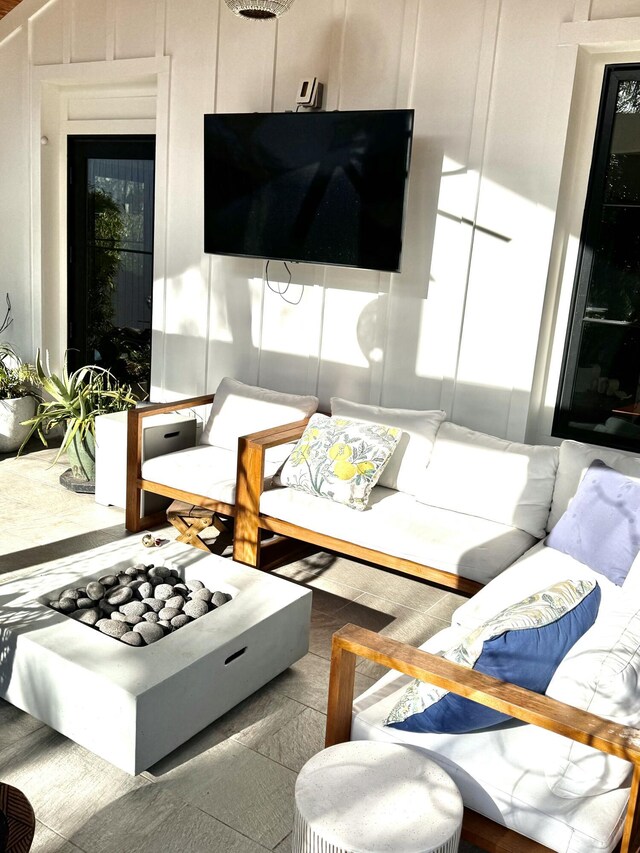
405, 470
600, 674
575, 458
240, 409
481, 475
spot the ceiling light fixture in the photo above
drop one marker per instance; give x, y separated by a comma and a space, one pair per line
259, 10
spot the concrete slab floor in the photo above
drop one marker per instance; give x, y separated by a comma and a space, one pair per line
230, 788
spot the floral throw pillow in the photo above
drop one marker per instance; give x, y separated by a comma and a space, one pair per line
340, 459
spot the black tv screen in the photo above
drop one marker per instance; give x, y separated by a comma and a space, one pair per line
321, 188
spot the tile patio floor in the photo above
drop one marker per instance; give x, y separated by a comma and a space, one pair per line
230, 788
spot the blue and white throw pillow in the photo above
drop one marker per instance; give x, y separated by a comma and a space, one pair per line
523, 644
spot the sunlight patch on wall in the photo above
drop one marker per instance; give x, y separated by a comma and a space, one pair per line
341, 342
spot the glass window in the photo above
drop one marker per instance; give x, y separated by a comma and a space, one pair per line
599, 398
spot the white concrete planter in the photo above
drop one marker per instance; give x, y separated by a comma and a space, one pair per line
12, 413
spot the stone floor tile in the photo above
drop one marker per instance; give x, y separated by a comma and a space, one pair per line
64, 782
295, 743
256, 718
15, 724
46, 840
444, 608
240, 787
152, 819
307, 681
285, 845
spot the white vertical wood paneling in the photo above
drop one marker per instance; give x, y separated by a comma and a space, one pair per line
135, 28
458, 327
88, 30
190, 40
508, 272
14, 180
46, 34
603, 9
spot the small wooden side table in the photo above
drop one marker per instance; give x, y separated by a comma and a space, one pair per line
190, 521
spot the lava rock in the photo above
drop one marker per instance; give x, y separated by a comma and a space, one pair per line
106, 607
132, 639
84, 603
67, 605
150, 616
70, 593
168, 613
132, 571
176, 601
134, 608
195, 608
108, 580
204, 594
149, 632
95, 590
180, 620
87, 617
145, 590
119, 595
164, 623
112, 628
195, 585
118, 617
154, 603
55, 604
219, 598
133, 620
163, 591
181, 588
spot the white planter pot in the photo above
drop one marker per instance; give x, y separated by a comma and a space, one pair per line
12, 413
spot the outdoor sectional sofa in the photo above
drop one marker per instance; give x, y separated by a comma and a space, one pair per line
497, 521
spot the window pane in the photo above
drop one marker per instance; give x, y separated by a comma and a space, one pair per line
599, 399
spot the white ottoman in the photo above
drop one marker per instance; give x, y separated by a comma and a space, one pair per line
371, 797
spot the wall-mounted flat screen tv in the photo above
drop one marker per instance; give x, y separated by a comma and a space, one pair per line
320, 188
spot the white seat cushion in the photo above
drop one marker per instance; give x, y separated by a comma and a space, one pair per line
202, 470
240, 409
539, 567
492, 478
396, 524
500, 771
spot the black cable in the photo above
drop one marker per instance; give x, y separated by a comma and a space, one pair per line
278, 290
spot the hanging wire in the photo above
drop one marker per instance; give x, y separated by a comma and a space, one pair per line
281, 292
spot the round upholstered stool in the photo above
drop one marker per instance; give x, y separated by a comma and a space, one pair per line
370, 797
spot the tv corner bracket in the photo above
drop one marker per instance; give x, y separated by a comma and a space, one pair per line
309, 96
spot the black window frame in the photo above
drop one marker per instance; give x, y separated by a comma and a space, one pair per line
589, 237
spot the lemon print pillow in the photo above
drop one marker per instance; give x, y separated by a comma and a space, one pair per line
340, 459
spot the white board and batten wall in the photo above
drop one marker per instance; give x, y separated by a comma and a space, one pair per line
505, 94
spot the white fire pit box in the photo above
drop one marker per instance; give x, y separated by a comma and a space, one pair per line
134, 705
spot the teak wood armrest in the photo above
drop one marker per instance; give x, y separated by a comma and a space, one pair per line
249, 485
581, 726
135, 417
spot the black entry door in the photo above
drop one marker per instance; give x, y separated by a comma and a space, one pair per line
110, 257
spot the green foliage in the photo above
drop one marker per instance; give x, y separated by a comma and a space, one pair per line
105, 261
17, 379
74, 400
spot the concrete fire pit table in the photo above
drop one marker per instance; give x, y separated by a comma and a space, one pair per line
134, 705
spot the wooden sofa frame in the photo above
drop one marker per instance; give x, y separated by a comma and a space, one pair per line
352, 642
249, 521
278, 550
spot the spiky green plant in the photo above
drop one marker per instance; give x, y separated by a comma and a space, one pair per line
74, 400
17, 378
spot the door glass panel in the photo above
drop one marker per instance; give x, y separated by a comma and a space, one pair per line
111, 272
600, 395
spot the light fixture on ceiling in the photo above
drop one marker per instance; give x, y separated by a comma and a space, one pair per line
259, 10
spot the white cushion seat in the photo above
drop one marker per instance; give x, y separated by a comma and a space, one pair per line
398, 525
203, 470
500, 771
